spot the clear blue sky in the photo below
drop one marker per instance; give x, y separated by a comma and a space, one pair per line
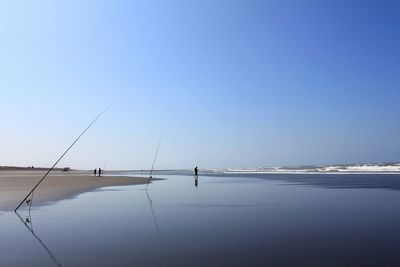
234, 83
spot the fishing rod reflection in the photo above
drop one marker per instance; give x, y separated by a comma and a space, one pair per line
29, 225
150, 201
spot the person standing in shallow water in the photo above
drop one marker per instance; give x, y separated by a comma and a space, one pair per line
99, 172
95, 172
196, 171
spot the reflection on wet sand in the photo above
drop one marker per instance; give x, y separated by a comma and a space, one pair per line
150, 201
29, 225
227, 222
323, 180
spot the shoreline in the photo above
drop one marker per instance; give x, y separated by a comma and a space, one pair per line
59, 185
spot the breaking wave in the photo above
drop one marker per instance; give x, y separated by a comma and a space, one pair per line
337, 169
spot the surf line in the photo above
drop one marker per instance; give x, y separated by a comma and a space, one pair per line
29, 201
154, 160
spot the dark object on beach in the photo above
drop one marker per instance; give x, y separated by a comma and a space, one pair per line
66, 169
99, 172
196, 171
95, 172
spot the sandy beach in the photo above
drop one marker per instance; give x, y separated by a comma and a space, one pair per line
15, 184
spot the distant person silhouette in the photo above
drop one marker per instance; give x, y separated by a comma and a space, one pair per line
196, 171
95, 172
99, 172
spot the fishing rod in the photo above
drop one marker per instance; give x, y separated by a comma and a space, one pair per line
66, 151
105, 164
154, 160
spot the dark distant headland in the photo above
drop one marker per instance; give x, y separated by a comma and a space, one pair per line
31, 168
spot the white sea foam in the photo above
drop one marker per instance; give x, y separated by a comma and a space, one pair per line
392, 168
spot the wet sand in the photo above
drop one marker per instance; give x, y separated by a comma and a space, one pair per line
14, 185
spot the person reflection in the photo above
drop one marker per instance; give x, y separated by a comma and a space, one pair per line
196, 176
